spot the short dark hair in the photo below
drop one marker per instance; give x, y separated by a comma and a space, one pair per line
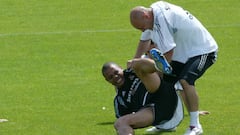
106, 66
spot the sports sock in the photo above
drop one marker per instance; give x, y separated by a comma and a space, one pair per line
194, 119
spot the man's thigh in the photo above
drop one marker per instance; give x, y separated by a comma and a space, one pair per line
140, 119
177, 69
195, 68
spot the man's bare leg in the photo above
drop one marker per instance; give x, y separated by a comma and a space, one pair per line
125, 125
146, 71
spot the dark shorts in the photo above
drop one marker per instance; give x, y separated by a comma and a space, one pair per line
164, 102
193, 69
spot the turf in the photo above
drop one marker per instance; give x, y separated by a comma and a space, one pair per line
51, 53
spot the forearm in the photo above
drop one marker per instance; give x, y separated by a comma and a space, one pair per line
168, 55
143, 47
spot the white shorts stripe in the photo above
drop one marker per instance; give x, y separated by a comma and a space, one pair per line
202, 62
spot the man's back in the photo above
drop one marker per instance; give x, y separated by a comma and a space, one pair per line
186, 32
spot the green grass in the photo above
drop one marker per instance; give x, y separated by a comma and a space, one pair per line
51, 53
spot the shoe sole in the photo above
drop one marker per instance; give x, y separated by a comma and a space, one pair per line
161, 62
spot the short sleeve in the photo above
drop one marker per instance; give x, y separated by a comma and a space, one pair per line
163, 34
146, 35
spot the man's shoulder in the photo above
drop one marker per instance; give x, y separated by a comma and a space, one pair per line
128, 72
157, 4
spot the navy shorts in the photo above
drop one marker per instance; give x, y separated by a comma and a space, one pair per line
192, 69
164, 102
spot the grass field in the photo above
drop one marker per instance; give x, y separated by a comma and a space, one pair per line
51, 53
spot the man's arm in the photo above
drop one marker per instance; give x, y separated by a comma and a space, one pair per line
143, 47
168, 55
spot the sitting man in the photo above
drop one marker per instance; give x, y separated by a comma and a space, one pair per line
142, 99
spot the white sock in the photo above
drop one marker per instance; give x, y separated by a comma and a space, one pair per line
194, 119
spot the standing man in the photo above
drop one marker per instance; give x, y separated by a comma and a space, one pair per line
185, 43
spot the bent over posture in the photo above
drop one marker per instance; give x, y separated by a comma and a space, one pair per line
142, 99
184, 41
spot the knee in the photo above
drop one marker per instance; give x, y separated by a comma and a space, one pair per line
117, 124
188, 80
121, 122
185, 84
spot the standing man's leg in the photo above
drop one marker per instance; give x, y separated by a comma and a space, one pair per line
179, 89
194, 69
192, 101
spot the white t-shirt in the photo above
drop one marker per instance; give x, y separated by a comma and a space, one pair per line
175, 28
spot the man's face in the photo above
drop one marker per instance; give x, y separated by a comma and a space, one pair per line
114, 75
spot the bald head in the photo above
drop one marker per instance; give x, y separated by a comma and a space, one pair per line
140, 17
137, 13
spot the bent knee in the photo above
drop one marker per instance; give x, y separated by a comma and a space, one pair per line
120, 122
186, 82
182, 81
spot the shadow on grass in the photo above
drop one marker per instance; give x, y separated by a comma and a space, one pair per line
105, 123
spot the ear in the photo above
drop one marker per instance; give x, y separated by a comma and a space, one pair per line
146, 15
